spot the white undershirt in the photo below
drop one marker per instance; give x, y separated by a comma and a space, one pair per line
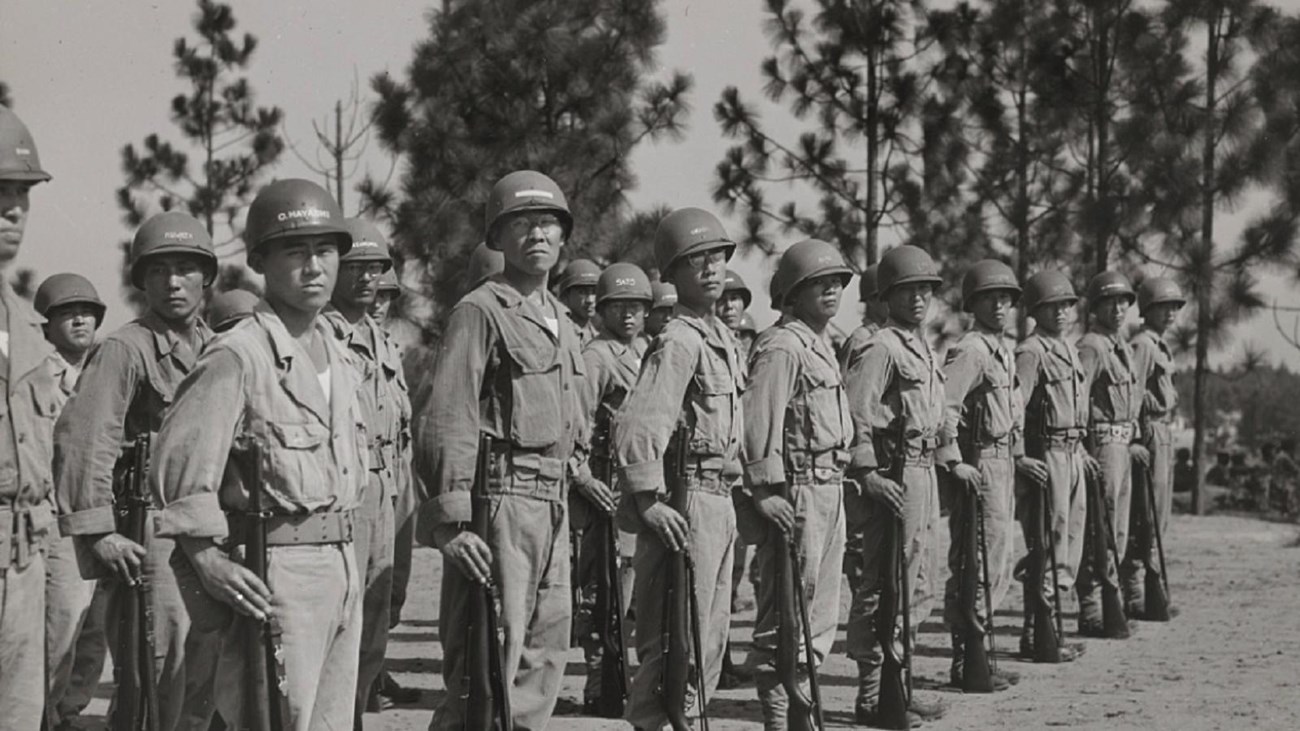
553, 325
4, 343
324, 379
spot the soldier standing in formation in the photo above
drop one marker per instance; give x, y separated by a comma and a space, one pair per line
797, 436
1114, 398
897, 400
510, 365
577, 290
661, 307
691, 376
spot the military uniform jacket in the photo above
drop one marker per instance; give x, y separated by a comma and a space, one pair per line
797, 422
1054, 387
855, 344
1115, 395
895, 388
27, 414
127, 385
612, 369
385, 406
500, 369
256, 384
691, 375
983, 406
1153, 366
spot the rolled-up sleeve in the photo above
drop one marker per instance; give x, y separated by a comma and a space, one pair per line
865, 380
772, 379
193, 446
645, 424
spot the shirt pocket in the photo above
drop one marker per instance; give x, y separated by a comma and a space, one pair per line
298, 452
824, 410
711, 403
996, 404
534, 396
922, 411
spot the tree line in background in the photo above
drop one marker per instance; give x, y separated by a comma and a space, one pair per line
1086, 134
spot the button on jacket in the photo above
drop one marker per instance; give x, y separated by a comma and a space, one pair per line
31, 403
1054, 386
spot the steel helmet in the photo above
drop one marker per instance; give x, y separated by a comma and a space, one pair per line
66, 289
172, 232
294, 207
229, 307
388, 282
579, 273
905, 265
484, 263
688, 231
526, 190
662, 294
623, 281
867, 284
1158, 290
1110, 284
18, 157
806, 260
734, 283
368, 243
747, 325
988, 275
1046, 287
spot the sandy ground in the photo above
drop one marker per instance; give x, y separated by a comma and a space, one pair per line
1231, 660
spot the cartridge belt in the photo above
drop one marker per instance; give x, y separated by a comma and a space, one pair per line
311, 529
1112, 433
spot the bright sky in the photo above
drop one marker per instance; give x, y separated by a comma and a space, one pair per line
89, 77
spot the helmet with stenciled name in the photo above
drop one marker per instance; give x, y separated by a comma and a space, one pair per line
368, 243
1159, 290
906, 264
1110, 284
525, 190
18, 157
688, 231
172, 232
291, 208
623, 281
988, 275
1047, 287
802, 262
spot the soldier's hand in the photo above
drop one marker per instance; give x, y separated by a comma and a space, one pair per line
1034, 470
121, 554
468, 551
598, 494
968, 475
775, 508
883, 490
668, 524
1140, 454
232, 583
1092, 468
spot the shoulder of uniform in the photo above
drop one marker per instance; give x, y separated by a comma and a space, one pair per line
1091, 341
679, 334
133, 333
777, 337
1032, 345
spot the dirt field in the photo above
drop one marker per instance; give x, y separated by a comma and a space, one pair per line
1231, 660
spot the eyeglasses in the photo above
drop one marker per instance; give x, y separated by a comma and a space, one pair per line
373, 268
701, 259
523, 225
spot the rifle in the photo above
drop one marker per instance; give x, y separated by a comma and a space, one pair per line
896, 646
609, 613
1156, 583
805, 709
264, 702
681, 627
1102, 537
136, 705
1042, 550
977, 675
485, 695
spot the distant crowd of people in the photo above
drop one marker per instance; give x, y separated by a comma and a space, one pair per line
1264, 479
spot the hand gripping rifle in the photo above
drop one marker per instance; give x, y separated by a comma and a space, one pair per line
609, 613
136, 705
264, 701
805, 709
977, 674
486, 697
1101, 537
1156, 583
681, 627
895, 645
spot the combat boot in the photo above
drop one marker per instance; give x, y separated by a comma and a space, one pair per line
956, 676
865, 705
1067, 651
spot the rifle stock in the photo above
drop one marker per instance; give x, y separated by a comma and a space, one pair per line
805, 709
895, 644
609, 613
486, 697
1046, 613
1104, 553
977, 675
1155, 582
136, 705
681, 629
264, 704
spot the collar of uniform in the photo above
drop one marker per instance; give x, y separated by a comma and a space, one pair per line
359, 336
283, 346
819, 344
511, 298
305, 389
27, 344
619, 348
912, 340
706, 325
1112, 338
164, 339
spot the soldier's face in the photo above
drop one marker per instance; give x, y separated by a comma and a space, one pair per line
910, 303
382, 304
14, 203
1053, 317
992, 310
358, 283
729, 309
624, 319
658, 317
71, 328
817, 300
531, 241
300, 271
173, 285
1160, 316
699, 278
581, 300
1109, 312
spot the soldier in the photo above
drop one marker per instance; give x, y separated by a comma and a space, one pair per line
28, 364
613, 361
387, 290
127, 386
982, 443
875, 314
734, 302
1159, 300
577, 290
229, 308
74, 312
661, 309
797, 436
1115, 397
280, 383
386, 408
691, 375
895, 387
509, 365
